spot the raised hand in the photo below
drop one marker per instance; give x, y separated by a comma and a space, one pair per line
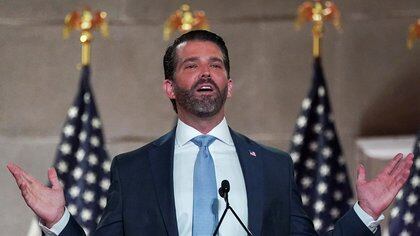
376, 195
47, 203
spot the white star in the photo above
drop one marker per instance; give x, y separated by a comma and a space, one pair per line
86, 214
341, 160
319, 206
417, 163
65, 148
301, 121
68, 130
394, 212
72, 209
320, 109
334, 212
317, 223
86, 98
297, 139
88, 196
329, 134
80, 154
105, 184
77, 173
295, 156
96, 123
102, 202
306, 182
94, 141
106, 166
317, 128
305, 200
412, 199
321, 91
338, 195
408, 218
310, 164
72, 112
340, 177
326, 152
404, 233
306, 103
400, 194
313, 146
324, 170
415, 181
62, 167
90, 177
92, 159
85, 117
74, 191
322, 188
82, 136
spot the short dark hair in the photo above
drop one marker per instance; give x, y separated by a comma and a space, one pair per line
170, 57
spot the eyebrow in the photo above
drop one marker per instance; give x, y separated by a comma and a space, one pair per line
192, 59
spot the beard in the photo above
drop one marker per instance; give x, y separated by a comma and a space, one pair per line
205, 105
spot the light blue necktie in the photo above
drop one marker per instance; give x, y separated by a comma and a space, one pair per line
205, 206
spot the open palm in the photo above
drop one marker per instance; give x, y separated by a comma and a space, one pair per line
376, 195
46, 202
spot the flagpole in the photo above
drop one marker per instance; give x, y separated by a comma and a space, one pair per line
317, 12
184, 20
413, 34
86, 22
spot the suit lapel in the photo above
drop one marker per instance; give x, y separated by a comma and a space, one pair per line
251, 166
161, 160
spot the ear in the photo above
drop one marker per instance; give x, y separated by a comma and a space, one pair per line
230, 88
168, 88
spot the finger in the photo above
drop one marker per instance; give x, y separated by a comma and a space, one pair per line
16, 171
391, 165
52, 176
361, 174
404, 164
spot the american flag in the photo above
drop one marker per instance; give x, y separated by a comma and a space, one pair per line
320, 169
405, 215
81, 161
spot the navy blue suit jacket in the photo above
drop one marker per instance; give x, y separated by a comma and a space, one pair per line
141, 197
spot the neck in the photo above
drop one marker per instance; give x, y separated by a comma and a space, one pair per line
204, 125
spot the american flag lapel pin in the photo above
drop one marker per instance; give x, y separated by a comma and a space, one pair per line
252, 153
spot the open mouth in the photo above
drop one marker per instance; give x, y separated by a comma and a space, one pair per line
205, 88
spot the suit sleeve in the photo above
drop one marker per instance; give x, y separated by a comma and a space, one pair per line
111, 221
348, 225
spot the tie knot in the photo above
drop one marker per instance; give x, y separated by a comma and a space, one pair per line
203, 140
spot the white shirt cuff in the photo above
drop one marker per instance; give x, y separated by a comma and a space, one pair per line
368, 220
57, 227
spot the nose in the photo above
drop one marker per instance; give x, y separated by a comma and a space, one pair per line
205, 72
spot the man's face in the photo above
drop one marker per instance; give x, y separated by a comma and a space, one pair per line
200, 85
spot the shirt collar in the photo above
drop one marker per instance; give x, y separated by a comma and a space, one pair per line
184, 133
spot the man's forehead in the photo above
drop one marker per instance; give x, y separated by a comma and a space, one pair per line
198, 46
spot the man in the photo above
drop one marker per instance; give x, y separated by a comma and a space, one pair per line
169, 187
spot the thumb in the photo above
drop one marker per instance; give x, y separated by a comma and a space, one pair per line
52, 176
361, 174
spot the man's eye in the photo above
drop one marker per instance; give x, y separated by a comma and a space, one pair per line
190, 66
216, 66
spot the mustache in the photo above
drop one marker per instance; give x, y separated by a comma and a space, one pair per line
205, 80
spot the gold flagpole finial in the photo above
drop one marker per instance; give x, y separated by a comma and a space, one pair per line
318, 13
85, 22
183, 20
413, 34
